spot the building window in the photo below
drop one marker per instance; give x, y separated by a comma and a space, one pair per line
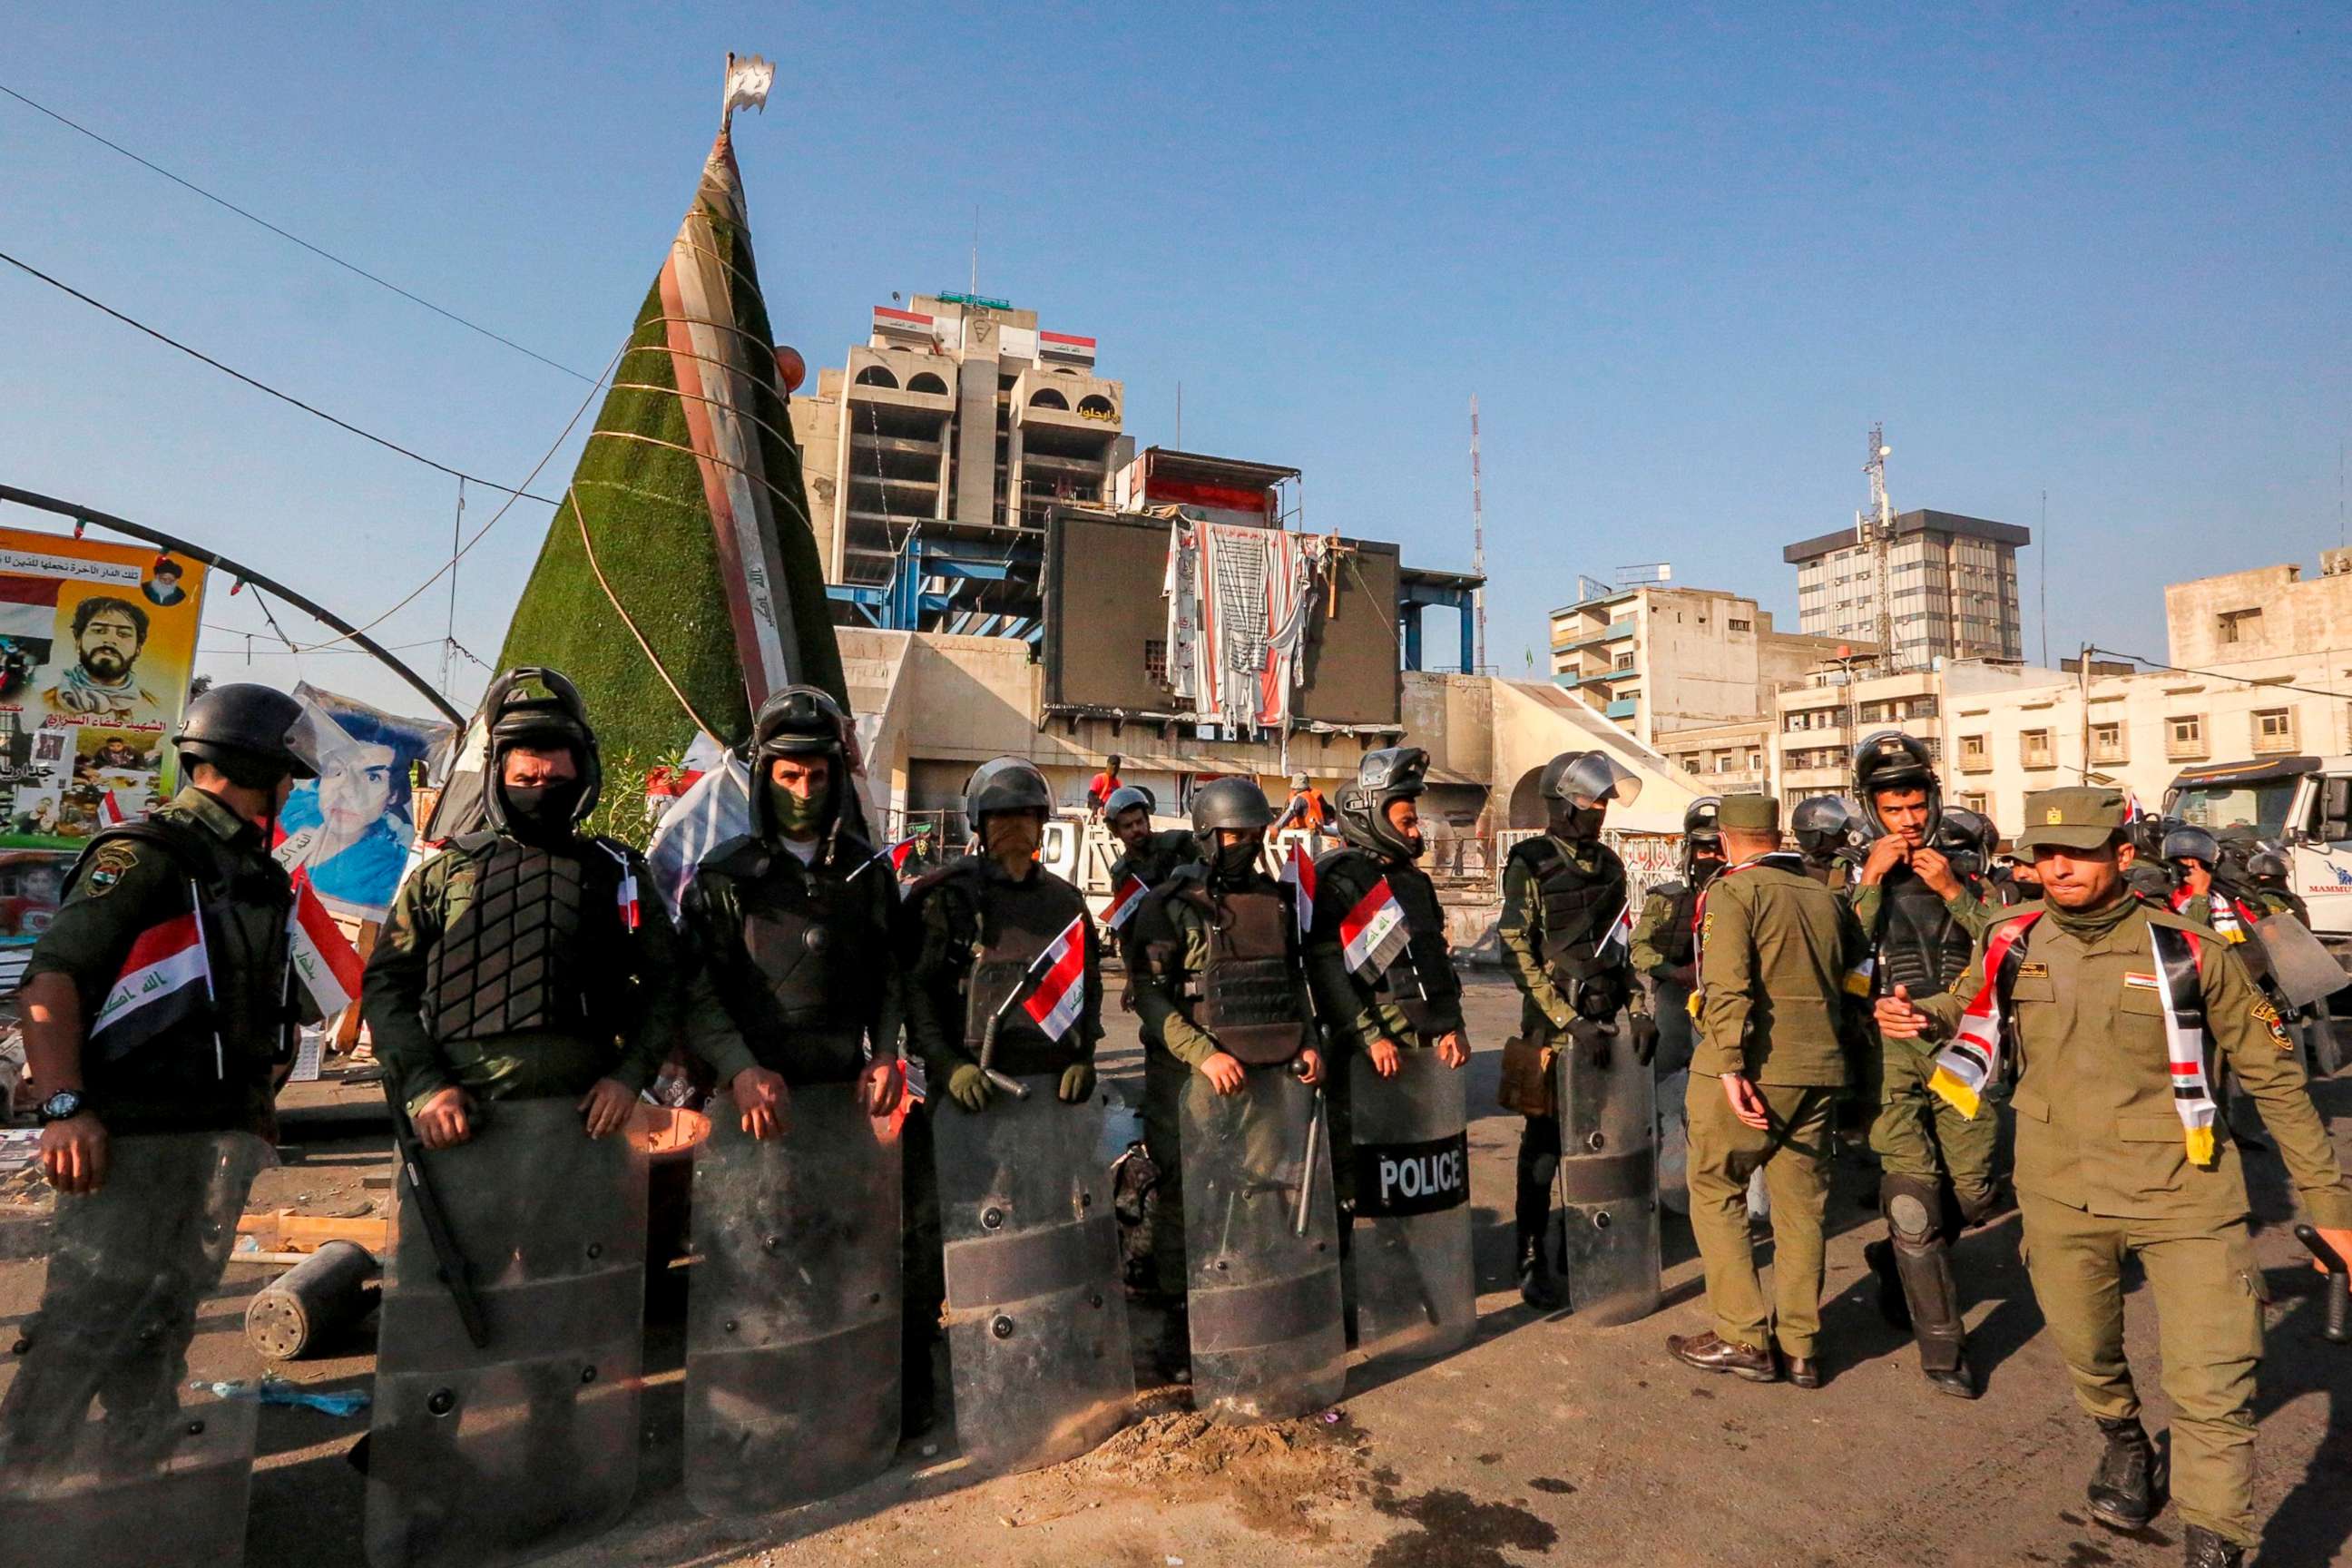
1974, 757
1047, 397
1972, 801
1624, 661
2184, 735
2037, 749
1690, 764
2238, 625
1755, 760
1730, 625
2274, 730
2108, 742
1155, 660
924, 380
874, 376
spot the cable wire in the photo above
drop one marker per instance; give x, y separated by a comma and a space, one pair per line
2215, 674
264, 386
319, 251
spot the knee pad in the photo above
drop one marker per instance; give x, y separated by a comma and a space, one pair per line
1914, 1210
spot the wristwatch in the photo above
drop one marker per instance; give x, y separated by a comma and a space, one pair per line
62, 1106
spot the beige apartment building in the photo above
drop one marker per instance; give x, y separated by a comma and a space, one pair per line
1952, 587
1819, 721
1658, 659
1724, 759
958, 413
2265, 613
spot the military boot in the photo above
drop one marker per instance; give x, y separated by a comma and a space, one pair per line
2200, 1548
1880, 1256
2123, 1494
1172, 1359
1539, 1283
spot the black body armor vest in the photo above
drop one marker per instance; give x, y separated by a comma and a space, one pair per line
1677, 940
1008, 924
1920, 945
513, 958
1250, 990
807, 975
1576, 908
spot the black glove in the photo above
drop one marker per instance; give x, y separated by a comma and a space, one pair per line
1592, 1038
1646, 1038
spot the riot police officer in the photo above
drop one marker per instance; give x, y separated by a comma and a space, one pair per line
158, 1023
2272, 875
1665, 951
457, 1015
1830, 837
1220, 990
1146, 854
1565, 925
1935, 1166
788, 1002
2148, 876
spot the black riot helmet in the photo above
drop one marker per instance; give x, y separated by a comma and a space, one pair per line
1891, 760
555, 720
1391, 773
1577, 788
1825, 826
1007, 783
2148, 832
1231, 804
2186, 843
1700, 831
1126, 797
1968, 830
796, 721
2268, 866
255, 735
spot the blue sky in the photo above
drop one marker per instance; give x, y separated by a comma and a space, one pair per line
1683, 257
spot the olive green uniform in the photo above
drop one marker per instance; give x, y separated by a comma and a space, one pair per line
1151, 862
119, 1298
631, 1013
1776, 949
1669, 960
1914, 1132
2103, 1173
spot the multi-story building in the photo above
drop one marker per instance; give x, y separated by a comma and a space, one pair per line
1953, 582
2266, 613
1659, 659
1724, 759
1820, 720
960, 419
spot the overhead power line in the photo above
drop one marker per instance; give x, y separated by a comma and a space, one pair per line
2210, 674
388, 445
319, 251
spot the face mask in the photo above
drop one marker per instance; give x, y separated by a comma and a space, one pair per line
1569, 822
795, 818
1236, 861
541, 811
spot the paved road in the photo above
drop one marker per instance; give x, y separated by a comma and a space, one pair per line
1546, 1441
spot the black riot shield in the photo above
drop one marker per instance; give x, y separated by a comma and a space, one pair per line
486, 1456
792, 1340
1036, 1312
1415, 1296
1261, 1245
2302, 968
1607, 1247
109, 1455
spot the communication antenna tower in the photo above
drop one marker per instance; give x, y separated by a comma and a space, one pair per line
1875, 528
1478, 546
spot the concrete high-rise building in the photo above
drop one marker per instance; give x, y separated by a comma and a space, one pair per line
1953, 584
958, 417
1658, 659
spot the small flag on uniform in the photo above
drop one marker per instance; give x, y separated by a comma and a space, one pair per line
164, 981
900, 850
1125, 899
1620, 930
1059, 994
1299, 871
1373, 934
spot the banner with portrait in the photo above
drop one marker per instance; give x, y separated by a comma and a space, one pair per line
98, 642
348, 830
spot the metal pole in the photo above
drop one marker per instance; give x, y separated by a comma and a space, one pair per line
82, 514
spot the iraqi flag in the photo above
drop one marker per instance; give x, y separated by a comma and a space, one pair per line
900, 851
1373, 934
1299, 871
110, 810
1125, 899
165, 981
1059, 975
1620, 930
324, 960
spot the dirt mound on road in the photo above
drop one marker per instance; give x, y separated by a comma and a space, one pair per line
1278, 1477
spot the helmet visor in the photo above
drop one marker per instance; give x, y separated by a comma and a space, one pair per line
1597, 779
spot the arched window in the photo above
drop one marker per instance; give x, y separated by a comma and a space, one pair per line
1095, 406
924, 380
1047, 397
877, 376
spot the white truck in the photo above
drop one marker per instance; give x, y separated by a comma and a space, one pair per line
2303, 801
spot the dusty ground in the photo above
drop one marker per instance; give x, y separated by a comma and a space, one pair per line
1547, 1440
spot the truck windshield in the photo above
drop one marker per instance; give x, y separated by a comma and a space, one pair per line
2260, 806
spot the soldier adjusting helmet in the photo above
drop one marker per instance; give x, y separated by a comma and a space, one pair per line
1891, 760
555, 721
255, 735
2186, 843
1390, 775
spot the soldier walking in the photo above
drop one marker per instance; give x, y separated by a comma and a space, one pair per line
1922, 916
1775, 1036
2111, 1016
